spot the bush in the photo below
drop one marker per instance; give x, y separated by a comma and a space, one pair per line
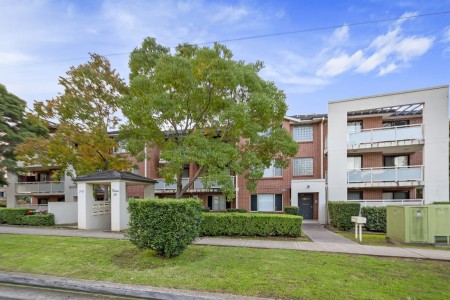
254, 224
205, 209
39, 220
291, 210
2, 203
441, 202
13, 216
341, 213
167, 226
237, 210
376, 218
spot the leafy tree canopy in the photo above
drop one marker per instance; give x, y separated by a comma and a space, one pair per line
84, 113
198, 105
15, 126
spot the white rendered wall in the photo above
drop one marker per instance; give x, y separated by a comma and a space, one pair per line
315, 186
435, 119
65, 212
86, 219
119, 206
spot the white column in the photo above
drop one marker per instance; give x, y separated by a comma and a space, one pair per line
149, 190
85, 201
119, 206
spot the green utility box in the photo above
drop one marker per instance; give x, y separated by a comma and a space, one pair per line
427, 224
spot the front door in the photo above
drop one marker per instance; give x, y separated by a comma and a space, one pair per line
305, 205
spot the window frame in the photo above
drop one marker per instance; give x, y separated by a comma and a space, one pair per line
361, 162
273, 170
299, 159
277, 202
297, 136
395, 156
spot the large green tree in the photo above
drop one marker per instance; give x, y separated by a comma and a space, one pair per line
15, 126
198, 105
84, 113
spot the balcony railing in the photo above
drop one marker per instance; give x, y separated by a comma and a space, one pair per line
384, 202
386, 134
45, 187
161, 185
391, 174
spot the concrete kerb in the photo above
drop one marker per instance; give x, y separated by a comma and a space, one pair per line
110, 288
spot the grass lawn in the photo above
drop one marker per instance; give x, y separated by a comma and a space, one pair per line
245, 271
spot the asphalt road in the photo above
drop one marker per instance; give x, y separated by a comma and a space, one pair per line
13, 291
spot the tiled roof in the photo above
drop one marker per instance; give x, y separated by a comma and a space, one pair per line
114, 175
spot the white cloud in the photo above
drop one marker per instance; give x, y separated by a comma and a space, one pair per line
339, 36
10, 58
229, 14
385, 53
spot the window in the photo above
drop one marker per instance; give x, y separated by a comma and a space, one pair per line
2, 194
303, 166
355, 195
218, 202
354, 126
395, 123
121, 147
43, 177
185, 172
354, 162
303, 133
266, 202
273, 171
395, 195
396, 161
42, 201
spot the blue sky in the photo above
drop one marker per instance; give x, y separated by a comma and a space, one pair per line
39, 39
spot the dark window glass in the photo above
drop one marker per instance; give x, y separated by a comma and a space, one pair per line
254, 203
278, 202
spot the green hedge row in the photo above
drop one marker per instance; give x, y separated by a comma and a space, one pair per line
291, 210
167, 226
20, 216
441, 202
376, 218
251, 224
341, 213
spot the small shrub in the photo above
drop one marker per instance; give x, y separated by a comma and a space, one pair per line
13, 216
291, 210
254, 224
376, 218
167, 226
341, 213
39, 220
205, 209
441, 202
2, 203
237, 210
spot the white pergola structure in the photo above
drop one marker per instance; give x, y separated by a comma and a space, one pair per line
108, 215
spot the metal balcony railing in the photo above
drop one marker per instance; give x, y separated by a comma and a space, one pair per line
45, 187
386, 174
384, 202
386, 134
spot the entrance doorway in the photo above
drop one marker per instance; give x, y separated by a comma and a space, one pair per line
305, 205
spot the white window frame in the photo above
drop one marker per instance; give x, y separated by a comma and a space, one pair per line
273, 171
267, 196
297, 166
121, 148
351, 163
303, 133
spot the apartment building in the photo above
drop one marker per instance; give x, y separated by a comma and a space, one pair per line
376, 150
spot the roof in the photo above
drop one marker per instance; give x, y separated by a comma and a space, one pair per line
114, 175
309, 117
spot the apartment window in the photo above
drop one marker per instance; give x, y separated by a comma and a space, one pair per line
121, 147
354, 162
42, 201
354, 126
186, 172
395, 195
218, 202
354, 195
303, 166
396, 161
395, 123
266, 202
273, 171
303, 133
2, 194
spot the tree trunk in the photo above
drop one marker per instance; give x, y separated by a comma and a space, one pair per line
180, 191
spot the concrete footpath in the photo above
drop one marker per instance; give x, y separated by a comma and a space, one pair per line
323, 241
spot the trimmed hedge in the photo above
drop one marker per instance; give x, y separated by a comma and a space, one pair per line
341, 213
13, 216
39, 220
376, 218
237, 210
251, 224
441, 202
2, 203
167, 226
291, 210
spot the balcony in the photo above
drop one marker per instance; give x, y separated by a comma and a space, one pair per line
162, 187
45, 187
385, 177
384, 202
408, 135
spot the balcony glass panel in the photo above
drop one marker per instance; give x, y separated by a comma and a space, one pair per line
385, 174
39, 187
413, 132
